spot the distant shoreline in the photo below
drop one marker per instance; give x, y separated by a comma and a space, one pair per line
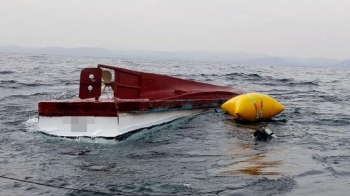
196, 56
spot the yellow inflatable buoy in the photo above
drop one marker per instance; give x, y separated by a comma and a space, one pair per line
252, 107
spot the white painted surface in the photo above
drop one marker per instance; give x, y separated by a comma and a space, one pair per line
269, 132
91, 126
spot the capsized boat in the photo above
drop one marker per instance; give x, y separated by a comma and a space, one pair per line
139, 100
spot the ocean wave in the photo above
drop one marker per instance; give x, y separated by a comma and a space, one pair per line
269, 80
8, 81
338, 121
33, 84
24, 96
6, 72
329, 98
242, 75
289, 82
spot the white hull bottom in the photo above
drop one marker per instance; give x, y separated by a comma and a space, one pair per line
97, 126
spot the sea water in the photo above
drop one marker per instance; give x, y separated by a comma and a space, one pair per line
208, 154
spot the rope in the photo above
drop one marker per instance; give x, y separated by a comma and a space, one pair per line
261, 106
116, 107
111, 91
255, 105
115, 100
259, 110
60, 187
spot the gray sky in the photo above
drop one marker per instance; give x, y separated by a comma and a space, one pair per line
303, 28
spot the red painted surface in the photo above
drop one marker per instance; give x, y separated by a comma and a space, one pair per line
90, 107
86, 81
137, 92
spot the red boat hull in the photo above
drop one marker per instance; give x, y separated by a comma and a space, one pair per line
90, 107
140, 100
140, 85
137, 92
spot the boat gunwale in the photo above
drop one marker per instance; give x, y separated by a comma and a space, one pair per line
109, 107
